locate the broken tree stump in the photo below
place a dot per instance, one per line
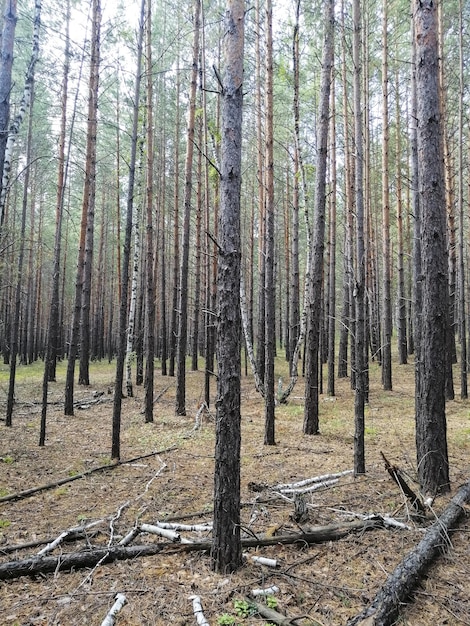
(400, 584)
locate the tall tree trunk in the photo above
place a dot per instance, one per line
(150, 289)
(386, 345)
(176, 231)
(87, 213)
(359, 278)
(197, 254)
(121, 345)
(269, 285)
(460, 200)
(294, 321)
(401, 293)
(261, 176)
(346, 311)
(332, 282)
(19, 274)
(431, 437)
(226, 551)
(89, 196)
(180, 407)
(311, 410)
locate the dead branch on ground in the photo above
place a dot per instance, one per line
(90, 558)
(19, 495)
(400, 584)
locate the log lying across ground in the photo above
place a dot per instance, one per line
(90, 558)
(402, 581)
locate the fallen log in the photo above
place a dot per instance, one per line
(401, 582)
(19, 495)
(90, 558)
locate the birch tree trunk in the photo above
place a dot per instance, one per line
(121, 345)
(6, 66)
(226, 553)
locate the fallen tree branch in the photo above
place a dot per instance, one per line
(90, 558)
(400, 584)
(19, 495)
(110, 618)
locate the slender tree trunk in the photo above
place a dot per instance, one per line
(261, 175)
(176, 233)
(332, 282)
(19, 275)
(401, 293)
(461, 259)
(197, 259)
(346, 311)
(269, 286)
(431, 437)
(359, 278)
(226, 544)
(150, 288)
(180, 408)
(89, 197)
(87, 213)
(121, 345)
(311, 411)
(294, 321)
(386, 346)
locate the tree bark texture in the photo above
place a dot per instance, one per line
(359, 278)
(226, 546)
(180, 408)
(431, 436)
(311, 417)
(123, 312)
(6, 65)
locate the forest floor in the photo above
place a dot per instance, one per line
(322, 584)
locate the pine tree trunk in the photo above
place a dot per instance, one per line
(431, 438)
(269, 285)
(89, 197)
(386, 344)
(150, 288)
(359, 278)
(311, 411)
(460, 200)
(226, 550)
(330, 390)
(180, 405)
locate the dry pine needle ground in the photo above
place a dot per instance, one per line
(324, 583)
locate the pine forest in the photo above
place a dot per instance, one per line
(234, 310)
